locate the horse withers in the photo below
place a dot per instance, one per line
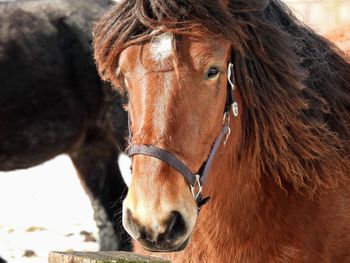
(240, 102)
(52, 101)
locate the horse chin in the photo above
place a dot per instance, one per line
(161, 249)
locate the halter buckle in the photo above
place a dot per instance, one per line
(226, 118)
(197, 188)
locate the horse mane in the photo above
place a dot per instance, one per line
(295, 85)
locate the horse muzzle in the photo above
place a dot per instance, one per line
(169, 236)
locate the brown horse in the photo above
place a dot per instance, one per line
(278, 178)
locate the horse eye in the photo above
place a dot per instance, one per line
(212, 73)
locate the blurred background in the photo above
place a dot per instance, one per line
(322, 15)
(52, 210)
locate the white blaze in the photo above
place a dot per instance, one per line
(162, 47)
(162, 104)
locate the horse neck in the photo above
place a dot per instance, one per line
(235, 194)
(235, 191)
(243, 208)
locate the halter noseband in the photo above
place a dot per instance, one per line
(195, 180)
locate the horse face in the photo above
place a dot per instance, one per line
(177, 92)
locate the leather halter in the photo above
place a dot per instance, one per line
(195, 180)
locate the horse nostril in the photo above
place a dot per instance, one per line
(133, 224)
(176, 227)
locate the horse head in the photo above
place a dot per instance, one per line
(177, 97)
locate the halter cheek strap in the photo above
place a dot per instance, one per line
(195, 180)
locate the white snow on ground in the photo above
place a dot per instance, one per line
(124, 162)
(50, 200)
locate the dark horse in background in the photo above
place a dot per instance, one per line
(52, 101)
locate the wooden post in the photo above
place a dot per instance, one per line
(101, 257)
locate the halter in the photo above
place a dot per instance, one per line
(195, 180)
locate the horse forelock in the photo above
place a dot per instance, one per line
(293, 83)
(136, 22)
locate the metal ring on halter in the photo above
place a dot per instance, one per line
(229, 75)
(234, 105)
(235, 109)
(200, 188)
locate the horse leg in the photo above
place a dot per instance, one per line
(97, 167)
